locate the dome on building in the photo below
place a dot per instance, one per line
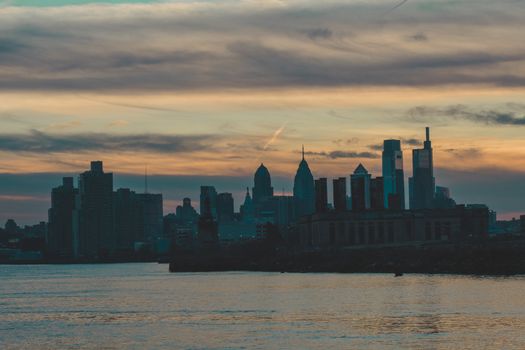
(262, 184)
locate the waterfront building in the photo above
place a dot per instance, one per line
(321, 195)
(303, 189)
(360, 188)
(339, 194)
(393, 175)
(93, 216)
(387, 227)
(59, 240)
(422, 183)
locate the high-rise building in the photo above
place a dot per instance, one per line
(303, 190)
(60, 240)
(96, 234)
(393, 175)
(225, 207)
(129, 219)
(360, 182)
(262, 188)
(185, 213)
(153, 213)
(442, 198)
(422, 183)
(208, 201)
(321, 195)
(376, 194)
(339, 187)
(247, 211)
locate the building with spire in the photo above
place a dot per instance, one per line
(304, 189)
(393, 175)
(422, 184)
(246, 209)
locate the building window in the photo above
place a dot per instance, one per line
(332, 233)
(341, 236)
(390, 231)
(351, 233)
(428, 231)
(380, 232)
(371, 233)
(361, 233)
(438, 231)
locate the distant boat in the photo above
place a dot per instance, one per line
(398, 274)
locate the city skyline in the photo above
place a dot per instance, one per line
(193, 88)
(264, 178)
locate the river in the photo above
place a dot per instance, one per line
(142, 306)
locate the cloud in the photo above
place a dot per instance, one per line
(175, 46)
(343, 154)
(462, 112)
(466, 153)
(40, 142)
(318, 33)
(274, 137)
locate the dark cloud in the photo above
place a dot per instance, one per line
(462, 112)
(318, 33)
(343, 154)
(40, 142)
(465, 153)
(418, 37)
(411, 141)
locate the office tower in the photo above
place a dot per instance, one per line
(247, 211)
(303, 190)
(208, 201)
(339, 186)
(393, 175)
(360, 188)
(96, 235)
(225, 207)
(262, 188)
(129, 219)
(208, 231)
(422, 182)
(376, 194)
(185, 213)
(442, 198)
(60, 232)
(152, 213)
(321, 195)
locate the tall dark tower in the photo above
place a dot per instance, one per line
(95, 219)
(393, 175)
(262, 188)
(339, 187)
(303, 190)
(321, 195)
(422, 184)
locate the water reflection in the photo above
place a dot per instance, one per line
(143, 306)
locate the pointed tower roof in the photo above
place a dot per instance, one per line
(360, 169)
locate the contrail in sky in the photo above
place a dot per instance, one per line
(397, 6)
(275, 136)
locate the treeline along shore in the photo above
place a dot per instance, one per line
(501, 256)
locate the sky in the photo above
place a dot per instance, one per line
(202, 92)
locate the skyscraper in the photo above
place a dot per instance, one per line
(393, 175)
(225, 207)
(153, 213)
(129, 220)
(376, 194)
(60, 232)
(340, 194)
(96, 235)
(321, 195)
(247, 211)
(303, 190)
(360, 182)
(262, 188)
(422, 183)
(208, 202)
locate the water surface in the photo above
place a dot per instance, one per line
(140, 306)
